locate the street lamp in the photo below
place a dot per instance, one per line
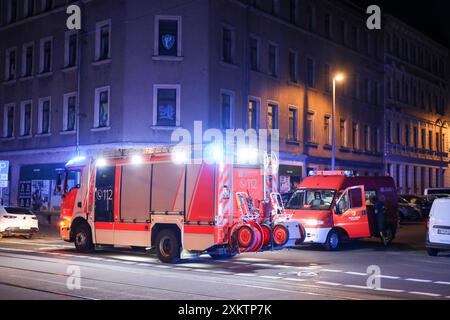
(339, 77)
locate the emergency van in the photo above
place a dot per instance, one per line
(334, 206)
(147, 200)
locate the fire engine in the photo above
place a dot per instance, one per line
(147, 200)
(335, 205)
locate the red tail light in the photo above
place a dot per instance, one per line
(428, 224)
(9, 217)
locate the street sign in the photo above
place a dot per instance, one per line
(4, 170)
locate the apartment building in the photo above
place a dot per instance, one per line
(140, 69)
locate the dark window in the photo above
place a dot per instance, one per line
(48, 4)
(327, 76)
(45, 117)
(375, 140)
(167, 107)
(13, 11)
(388, 132)
(293, 66)
(168, 37)
(416, 137)
(407, 135)
(430, 140)
(355, 196)
(28, 61)
(327, 25)
(355, 136)
(10, 122)
(252, 115)
(71, 113)
(104, 195)
(47, 59)
(293, 125)
(103, 109)
(342, 132)
(30, 8)
(326, 130)
(72, 58)
(310, 72)
(254, 54)
(311, 18)
(12, 65)
(227, 45)
(104, 43)
(293, 11)
(226, 111)
(27, 120)
(272, 60)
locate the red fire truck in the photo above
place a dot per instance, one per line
(145, 200)
(333, 206)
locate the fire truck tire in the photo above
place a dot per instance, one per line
(168, 246)
(280, 235)
(83, 238)
(333, 242)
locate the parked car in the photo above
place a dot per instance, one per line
(420, 203)
(438, 235)
(17, 221)
(407, 211)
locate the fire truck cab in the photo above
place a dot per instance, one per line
(333, 206)
(149, 201)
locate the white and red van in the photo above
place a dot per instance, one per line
(333, 206)
(147, 200)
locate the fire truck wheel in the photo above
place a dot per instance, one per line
(280, 235)
(83, 239)
(245, 236)
(333, 242)
(167, 246)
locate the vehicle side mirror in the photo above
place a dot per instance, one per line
(58, 184)
(337, 210)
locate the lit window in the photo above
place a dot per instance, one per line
(166, 109)
(253, 111)
(226, 109)
(272, 117)
(168, 36)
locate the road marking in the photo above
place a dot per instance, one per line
(49, 281)
(141, 264)
(40, 244)
(200, 270)
(425, 294)
(162, 266)
(294, 279)
(245, 274)
(96, 258)
(221, 272)
(442, 282)
(388, 277)
(330, 270)
(356, 287)
(282, 266)
(182, 268)
(389, 290)
(356, 273)
(335, 284)
(270, 277)
(418, 280)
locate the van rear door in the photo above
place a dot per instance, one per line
(351, 213)
(439, 227)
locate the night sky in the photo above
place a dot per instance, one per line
(432, 17)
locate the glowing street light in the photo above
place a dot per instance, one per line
(339, 77)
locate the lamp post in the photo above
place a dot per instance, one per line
(337, 78)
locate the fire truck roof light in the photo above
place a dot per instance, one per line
(179, 156)
(248, 155)
(345, 173)
(101, 162)
(76, 160)
(137, 159)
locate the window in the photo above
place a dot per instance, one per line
(365, 90)
(438, 142)
(293, 11)
(437, 178)
(388, 131)
(343, 31)
(430, 177)
(310, 127)
(44, 116)
(46, 55)
(327, 77)
(293, 126)
(226, 109)
(354, 37)
(327, 25)
(415, 180)
(343, 132)
(355, 86)
(273, 60)
(389, 169)
(310, 72)
(423, 138)
(10, 64)
(254, 54)
(375, 139)
(374, 93)
(416, 137)
(12, 11)
(25, 119)
(166, 108)
(28, 9)
(168, 36)
(103, 40)
(70, 49)
(8, 121)
(69, 112)
(272, 117)
(430, 140)
(407, 135)
(252, 113)
(407, 182)
(355, 136)
(227, 44)
(311, 18)
(366, 138)
(326, 129)
(398, 133)
(293, 66)
(47, 5)
(27, 60)
(102, 107)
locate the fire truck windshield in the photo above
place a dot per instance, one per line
(311, 199)
(72, 180)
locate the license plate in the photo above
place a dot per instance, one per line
(444, 231)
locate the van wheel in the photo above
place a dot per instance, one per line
(28, 236)
(167, 246)
(333, 242)
(83, 238)
(432, 252)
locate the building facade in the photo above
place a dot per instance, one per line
(140, 69)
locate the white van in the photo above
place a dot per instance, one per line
(438, 191)
(438, 236)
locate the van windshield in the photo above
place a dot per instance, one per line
(311, 199)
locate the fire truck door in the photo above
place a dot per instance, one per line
(350, 213)
(104, 205)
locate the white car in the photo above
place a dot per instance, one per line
(17, 221)
(438, 236)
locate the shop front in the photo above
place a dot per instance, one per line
(289, 176)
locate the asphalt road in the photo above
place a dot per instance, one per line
(47, 268)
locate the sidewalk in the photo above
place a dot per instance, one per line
(48, 225)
